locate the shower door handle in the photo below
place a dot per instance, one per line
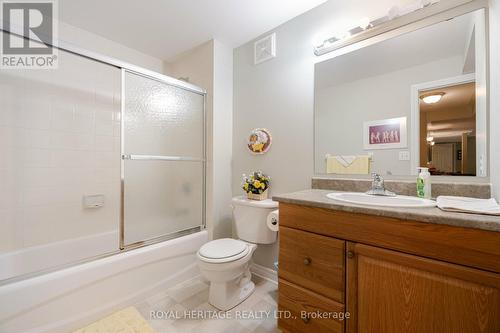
(161, 158)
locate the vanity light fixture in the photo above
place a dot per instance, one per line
(432, 98)
(338, 40)
(365, 23)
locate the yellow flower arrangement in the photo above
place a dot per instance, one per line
(257, 183)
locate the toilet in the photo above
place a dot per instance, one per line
(225, 262)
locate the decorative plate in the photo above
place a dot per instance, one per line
(259, 141)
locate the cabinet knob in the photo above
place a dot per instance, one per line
(307, 261)
(350, 254)
(306, 319)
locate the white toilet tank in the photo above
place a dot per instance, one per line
(250, 218)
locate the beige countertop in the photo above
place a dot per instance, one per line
(318, 198)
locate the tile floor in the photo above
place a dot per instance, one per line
(172, 309)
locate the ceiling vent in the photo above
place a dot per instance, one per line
(265, 49)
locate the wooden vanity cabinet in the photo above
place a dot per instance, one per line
(393, 292)
(392, 282)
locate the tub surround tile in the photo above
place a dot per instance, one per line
(61, 144)
(318, 198)
(404, 187)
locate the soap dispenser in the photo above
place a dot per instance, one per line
(424, 183)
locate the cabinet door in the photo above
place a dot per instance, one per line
(301, 305)
(392, 292)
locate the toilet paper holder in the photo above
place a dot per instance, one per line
(274, 220)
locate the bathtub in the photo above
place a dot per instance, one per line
(38, 258)
(67, 299)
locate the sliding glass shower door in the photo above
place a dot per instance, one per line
(163, 157)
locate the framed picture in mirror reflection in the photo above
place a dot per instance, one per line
(385, 134)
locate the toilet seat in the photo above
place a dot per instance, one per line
(223, 250)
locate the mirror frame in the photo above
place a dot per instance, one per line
(442, 11)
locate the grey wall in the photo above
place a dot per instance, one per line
(279, 95)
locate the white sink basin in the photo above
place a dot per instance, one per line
(373, 200)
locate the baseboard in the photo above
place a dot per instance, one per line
(264, 272)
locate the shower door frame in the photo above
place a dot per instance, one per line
(124, 157)
(124, 66)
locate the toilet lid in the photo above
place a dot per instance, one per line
(222, 248)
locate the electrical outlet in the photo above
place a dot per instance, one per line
(404, 155)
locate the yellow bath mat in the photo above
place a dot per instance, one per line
(128, 320)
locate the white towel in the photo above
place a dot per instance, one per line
(346, 160)
(468, 205)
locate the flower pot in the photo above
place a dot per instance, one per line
(253, 196)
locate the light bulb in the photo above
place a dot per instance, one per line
(364, 23)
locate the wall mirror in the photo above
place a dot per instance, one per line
(415, 100)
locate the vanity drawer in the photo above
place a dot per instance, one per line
(300, 308)
(313, 261)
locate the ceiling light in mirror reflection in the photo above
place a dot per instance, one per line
(432, 98)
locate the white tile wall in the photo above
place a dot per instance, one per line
(59, 141)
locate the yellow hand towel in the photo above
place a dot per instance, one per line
(348, 165)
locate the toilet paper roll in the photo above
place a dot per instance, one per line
(273, 220)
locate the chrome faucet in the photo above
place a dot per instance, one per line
(378, 187)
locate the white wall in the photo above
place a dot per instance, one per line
(481, 71)
(222, 136)
(494, 21)
(210, 67)
(383, 96)
(92, 42)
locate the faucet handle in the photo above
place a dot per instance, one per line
(378, 186)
